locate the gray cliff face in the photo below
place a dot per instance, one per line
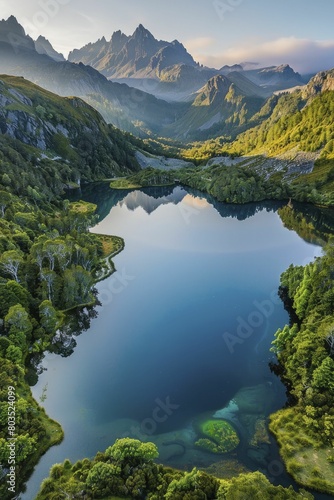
(320, 83)
(19, 122)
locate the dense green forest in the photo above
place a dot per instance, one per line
(126, 469)
(309, 127)
(305, 349)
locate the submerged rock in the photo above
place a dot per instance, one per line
(254, 399)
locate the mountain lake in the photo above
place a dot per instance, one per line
(182, 333)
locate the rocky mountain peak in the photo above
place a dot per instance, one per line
(284, 69)
(117, 41)
(218, 82)
(215, 89)
(13, 23)
(142, 32)
(13, 33)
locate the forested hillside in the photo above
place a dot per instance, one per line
(308, 129)
(305, 350)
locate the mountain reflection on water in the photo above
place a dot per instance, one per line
(151, 198)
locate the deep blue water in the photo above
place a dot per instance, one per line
(185, 325)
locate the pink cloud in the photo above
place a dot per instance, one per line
(305, 56)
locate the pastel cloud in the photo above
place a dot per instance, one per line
(303, 55)
(195, 45)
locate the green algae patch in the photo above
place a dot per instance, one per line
(220, 436)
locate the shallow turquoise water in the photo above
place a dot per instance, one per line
(184, 327)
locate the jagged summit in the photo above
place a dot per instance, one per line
(11, 19)
(12, 33)
(141, 31)
(139, 55)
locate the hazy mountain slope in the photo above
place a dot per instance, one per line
(177, 83)
(275, 77)
(43, 46)
(246, 86)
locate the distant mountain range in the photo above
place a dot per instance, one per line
(147, 86)
(135, 59)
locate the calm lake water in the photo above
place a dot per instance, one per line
(183, 330)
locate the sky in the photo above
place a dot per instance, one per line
(215, 32)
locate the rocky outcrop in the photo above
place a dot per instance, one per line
(319, 83)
